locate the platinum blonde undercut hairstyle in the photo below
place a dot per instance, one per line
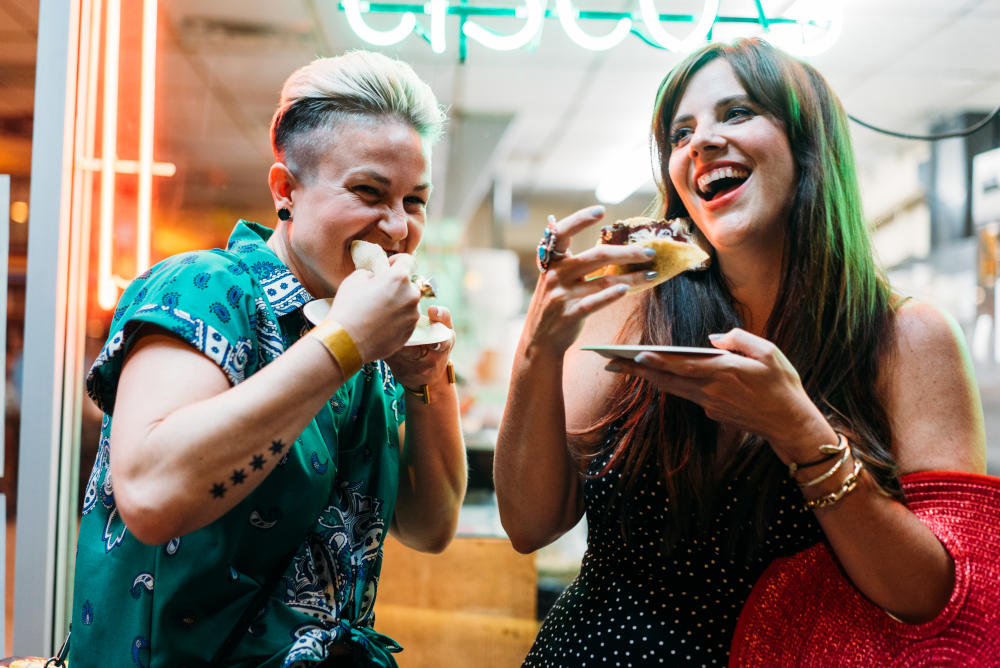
(358, 86)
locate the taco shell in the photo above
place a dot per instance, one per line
(672, 258)
(367, 255)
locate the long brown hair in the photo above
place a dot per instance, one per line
(831, 318)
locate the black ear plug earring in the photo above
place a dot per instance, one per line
(284, 213)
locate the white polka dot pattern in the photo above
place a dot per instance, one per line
(633, 605)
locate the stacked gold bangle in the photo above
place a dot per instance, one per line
(340, 346)
(828, 452)
(833, 469)
(849, 484)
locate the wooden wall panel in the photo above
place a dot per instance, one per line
(472, 605)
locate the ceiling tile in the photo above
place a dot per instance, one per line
(985, 9)
(958, 49)
(237, 12)
(899, 64)
(910, 8)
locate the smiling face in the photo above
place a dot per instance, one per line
(730, 162)
(371, 183)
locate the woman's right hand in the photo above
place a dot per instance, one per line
(564, 297)
(537, 479)
(379, 311)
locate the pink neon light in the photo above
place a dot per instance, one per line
(107, 293)
(146, 110)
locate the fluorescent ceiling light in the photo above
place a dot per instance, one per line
(628, 172)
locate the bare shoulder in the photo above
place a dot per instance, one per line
(930, 393)
(586, 385)
(920, 324)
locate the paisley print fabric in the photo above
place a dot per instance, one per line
(321, 515)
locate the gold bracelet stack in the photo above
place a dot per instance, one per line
(424, 393)
(849, 485)
(340, 346)
(833, 469)
(828, 451)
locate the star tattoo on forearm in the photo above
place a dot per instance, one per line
(239, 475)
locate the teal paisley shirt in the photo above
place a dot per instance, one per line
(328, 502)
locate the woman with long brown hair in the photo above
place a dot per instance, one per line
(696, 472)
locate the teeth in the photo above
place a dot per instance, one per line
(721, 173)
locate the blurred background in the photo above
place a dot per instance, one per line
(163, 109)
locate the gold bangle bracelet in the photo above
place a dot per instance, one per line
(829, 472)
(849, 485)
(340, 345)
(828, 451)
(424, 393)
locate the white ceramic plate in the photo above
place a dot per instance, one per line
(629, 352)
(317, 309)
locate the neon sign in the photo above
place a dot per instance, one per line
(109, 165)
(805, 28)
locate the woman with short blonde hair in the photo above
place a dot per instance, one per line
(258, 461)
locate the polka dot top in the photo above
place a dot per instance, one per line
(632, 606)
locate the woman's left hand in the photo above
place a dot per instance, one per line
(756, 389)
(414, 366)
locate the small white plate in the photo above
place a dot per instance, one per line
(630, 352)
(316, 310)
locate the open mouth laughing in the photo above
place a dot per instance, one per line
(720, 180)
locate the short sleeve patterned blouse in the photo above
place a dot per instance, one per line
(633, 606)
(328, 502)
